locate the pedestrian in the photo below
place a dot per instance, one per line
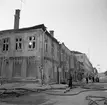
(93, 78)
(70, 82)
(87, 80)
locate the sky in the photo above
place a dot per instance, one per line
(80, 24)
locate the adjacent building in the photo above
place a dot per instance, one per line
(85, 65)
(65, 62)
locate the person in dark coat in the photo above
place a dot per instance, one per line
(87, 80)
(70, 82)
(93, 78)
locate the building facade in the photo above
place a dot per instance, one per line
(65, 62)
(85, 65)
(23, 52)
(74, 66)
(34, 53)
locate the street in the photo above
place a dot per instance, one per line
(60, 98)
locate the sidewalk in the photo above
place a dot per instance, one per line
(57, 89)
(31, 86)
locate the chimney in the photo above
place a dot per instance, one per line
(52, 32)
(16, 19)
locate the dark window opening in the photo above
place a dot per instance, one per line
(32, 42)
(16, 40)
(46, 46)
(4, 41)
(30, 46)
(7, 47)
(30, 38)
(20, 39)
(16, 46)
(4, 47)
(5, 44)
(18, 43)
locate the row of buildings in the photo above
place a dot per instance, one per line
(34, 53)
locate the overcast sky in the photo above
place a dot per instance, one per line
(80, 24)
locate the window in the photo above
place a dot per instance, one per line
(57, 51)
(62, 55)
(32, 42)
(52, 49)
(18, 43)
(5, 44)
(46, 45)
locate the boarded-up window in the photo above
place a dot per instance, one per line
(5, 68)
(31, 67)
(17, 65)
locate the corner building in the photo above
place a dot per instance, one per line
(23, 52)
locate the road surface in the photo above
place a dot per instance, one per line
(46, 99)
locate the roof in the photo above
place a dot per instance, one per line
(76, 52)
(24, 29)
(66, 47)
(29, 28)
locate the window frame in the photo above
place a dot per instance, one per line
(5, 44)
(18, 42)
(32, 41)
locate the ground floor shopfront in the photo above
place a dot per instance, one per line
(23, 68)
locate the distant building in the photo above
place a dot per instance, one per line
(84, 63)
(74, 67)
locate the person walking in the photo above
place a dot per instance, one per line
(87, 80)
(93, 78)
(70, 82)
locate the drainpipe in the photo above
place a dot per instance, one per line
(42, 58)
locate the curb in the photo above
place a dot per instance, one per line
(72, 94)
